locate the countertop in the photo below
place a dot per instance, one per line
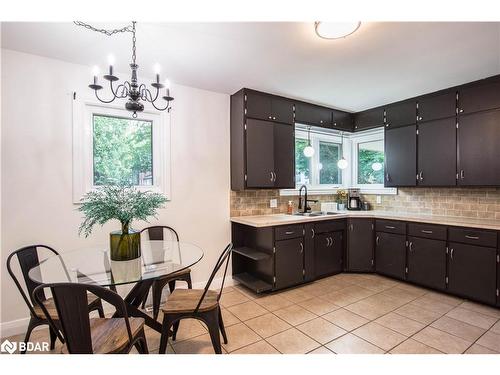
(259, 221)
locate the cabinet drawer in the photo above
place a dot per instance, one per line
(288, 231)
(473, 236)
(436, 232)
(390, 226)
(329, 226)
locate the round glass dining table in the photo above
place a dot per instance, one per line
(93, 265)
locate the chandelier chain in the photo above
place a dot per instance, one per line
(128, 28)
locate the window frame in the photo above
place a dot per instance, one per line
(350, 152)
(83, 146)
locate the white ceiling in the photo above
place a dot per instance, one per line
(380, 63)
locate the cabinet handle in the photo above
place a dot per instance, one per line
(312, 233)
(301, 248)
(289, 233)
(421, 176)
(376, 240)
(270, 117)
(274, 118)
(462, 174)
(460, 111)
(327, 241)
(420, 118)
(426, 231)
(351, 227)
(274, 174)
(471, 237)
(387, 177)
(271, 174)
(320, 121)
(390, 227)
(331, 241)
(411, 247)
(451, 254)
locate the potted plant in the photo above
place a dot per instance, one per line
(125, 204)
(341, 199)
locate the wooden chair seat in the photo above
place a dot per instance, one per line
(185, 300)
(109, 335)
(51, 307)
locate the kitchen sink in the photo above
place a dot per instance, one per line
(315, 213)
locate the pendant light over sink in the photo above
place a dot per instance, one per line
(335, 30)
(308, 150)
(342, 163)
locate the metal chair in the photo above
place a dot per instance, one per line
(201, 304)
(160, 233)
(28, 258)
(84, 335)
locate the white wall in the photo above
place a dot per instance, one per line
(36, 167)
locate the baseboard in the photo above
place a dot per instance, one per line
(19, 326)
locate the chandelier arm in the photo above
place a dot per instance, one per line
(115, 91)
(156, 96)
(102, 100)
(161, 109)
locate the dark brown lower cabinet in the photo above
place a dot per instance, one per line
(328, 249)
(427, 262)
(390, 254)
(289, 262)
(360, 240)
(472, 272)
(498, 277)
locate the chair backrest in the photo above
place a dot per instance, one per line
(28, 258)
(71, 304)
(223, 258)
(161, 233)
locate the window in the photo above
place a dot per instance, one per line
(122, 150)
(371, 162)
(364, 152)
(110, 146)
(321, 169)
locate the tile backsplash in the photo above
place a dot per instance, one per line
(453, 202)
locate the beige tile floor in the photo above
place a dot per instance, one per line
(346, 313)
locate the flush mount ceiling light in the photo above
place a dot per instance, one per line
(136, 93)
(335, 30)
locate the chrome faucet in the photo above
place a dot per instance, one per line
(306, 201)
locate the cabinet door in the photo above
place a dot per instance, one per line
(369, 119)
(400, 156)
(312, 114)
(437, 106)
(427, 262)
(289, 262)
(401, 114)
(258, 105)
(284, 156)
(437, 153)
(360, 240)
(328, 253)
(390, 254)
(498, 278)
(341, 120)
(472, 272)
(479, 97)
(260, 154)
(282, 110)
(478, 152)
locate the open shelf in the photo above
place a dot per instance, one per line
(252, 282)
(251, 253)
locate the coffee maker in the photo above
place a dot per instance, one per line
(353, 200)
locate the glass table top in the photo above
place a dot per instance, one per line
(93, 265)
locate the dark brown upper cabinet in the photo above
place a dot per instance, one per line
(269, 155)
(268, 107)
(437, 153)
(435, 107)
(479, 96)
(311, 114)
(342, 120)
(478, 140)
(369, 119)
(401, 114)
(400, 156)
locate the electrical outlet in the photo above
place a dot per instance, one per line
(379, 199)
(273, 203)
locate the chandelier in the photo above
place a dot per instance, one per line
(136, 93)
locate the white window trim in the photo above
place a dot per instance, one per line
(350, 152)
(83, 110)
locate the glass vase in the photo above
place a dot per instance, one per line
(125, 246)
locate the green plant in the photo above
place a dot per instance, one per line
(122, 202)
(341, 195)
